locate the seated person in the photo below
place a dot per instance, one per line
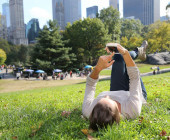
(127, 92)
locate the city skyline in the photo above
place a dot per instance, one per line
(42, 9)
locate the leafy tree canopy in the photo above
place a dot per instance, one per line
(131, 28)
(2, 57)
(4, 45)
(87, 38)
(159, 37)
(132, 43)
(50, 52)
(111, 19)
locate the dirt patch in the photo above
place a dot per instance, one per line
(20, 85)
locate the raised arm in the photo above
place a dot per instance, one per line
(134, 103)
(127, 58)
(103, 62)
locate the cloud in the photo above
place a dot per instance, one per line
(42, 15)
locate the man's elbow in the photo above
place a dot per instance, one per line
(85, 113)
(136, 112)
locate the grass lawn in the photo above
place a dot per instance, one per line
(37, 114)
(143, 68)
(20, 85)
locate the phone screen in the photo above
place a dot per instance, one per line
(113, 49)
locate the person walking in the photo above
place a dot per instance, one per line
(71, 74)
(158, 69)
(6, 70)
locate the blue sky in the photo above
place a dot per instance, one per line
(42, 9)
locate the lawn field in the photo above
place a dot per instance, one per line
(38, 113)
(21, 85)
(143, 68)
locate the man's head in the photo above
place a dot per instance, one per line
(104, 113)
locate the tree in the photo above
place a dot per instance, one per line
(131, 28)
(2, 56)
(50, 52)
(111, 19)
(167, 12)
(12, 56)
(159, 37)
(124, 42)
(145, 31)
(87, 38)
(23, 54)
(132, 43)
(4, 45)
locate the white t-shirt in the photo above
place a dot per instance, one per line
(131, 101)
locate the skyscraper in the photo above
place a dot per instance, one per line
(148, 11)
(3, 27)
(114, 3)
(58, 12)
(92, 11)
(32, 30)
(6, 13)
(65, 11)
(17, 35)
(117, 4)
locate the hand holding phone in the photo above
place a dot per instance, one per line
(112, 47)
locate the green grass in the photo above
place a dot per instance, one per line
(36, 114)
(143, 68)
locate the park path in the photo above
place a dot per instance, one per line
(151, 73)
(9, 75)
(144, 74)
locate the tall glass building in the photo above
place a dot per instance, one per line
(65, 11)
(32, 30)
(117, 4)
(92, 11)
(58, 12)
(17, 33)
(148, 11)
(6, 13)
(3, 27)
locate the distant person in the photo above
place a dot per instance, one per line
(18, 75)
(58, 75)
(28, 75)
(6, 70)
(61, 76)
(71, 74)
(53, 76)
(158, 68)
(154, 72)
(3, 75)
(66, 73)
(45, 76)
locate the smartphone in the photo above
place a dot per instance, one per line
(112, 47)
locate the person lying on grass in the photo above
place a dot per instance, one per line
(126, 94)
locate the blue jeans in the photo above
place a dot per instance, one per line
(119, 76)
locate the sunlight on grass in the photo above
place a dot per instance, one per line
(37, 113)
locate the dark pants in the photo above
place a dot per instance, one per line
(119, 76)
